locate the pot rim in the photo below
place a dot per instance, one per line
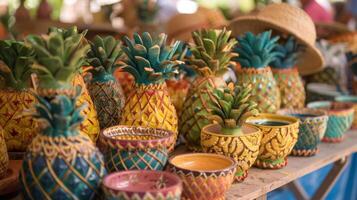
(290, 120)
(160, 140)
(257, 131)
(348, 107)
(174, 177)
(233, 165)
(317, 113)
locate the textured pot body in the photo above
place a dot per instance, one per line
(150, 106)
(352, 100)
(292, 91)
(61, 168)
(196, 109)
(19, 129)
(243, 148)
(203, 184)
(277, 140)
(178, 90)
(109, 100)
(311, 130)
(142, 185)
(90, 125)
(340, 118)
(136, 148)
(265, 91)
(4, 158)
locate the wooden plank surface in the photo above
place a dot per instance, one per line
(260, 182)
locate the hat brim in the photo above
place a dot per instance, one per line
(309, 62)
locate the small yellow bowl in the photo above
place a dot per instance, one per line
(243, 148)
(280, 133)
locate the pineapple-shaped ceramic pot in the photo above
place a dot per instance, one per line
(287, 77)
(59, 58)
(19, 129)
(4, 158)
(149, 61)
(229, 136)
(104, 89)
(255, 54)
(60, 163)
(211, 54)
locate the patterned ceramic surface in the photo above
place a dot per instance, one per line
(280, 133)
(135, 148)
(353, 100)
(243, 148)
(142, 185)
(205, 176)
(340, 118)
(312, 128)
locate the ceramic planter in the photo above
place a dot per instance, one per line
(265, 90)
(135, 148)
(352, 100)
(340, 118)
(243, 148)
(204, 176)
(312, 128)
(4, 158)
(292, 91)
(142, 185)
(280, 133)
(178, 90)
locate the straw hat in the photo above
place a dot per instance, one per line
(180, 26)
(285, 19)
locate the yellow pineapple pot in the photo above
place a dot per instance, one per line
(15, 98)
(292, 91)
(255, 54)
(53, 72)
(211, 55)
(231, 137)
(4, 158)
(149, 60)
(280, 133)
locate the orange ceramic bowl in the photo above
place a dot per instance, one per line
(204, 175)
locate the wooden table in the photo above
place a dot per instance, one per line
(259, 182)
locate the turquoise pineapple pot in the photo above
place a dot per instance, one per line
(135, 148)
(60, 163)
(340, 118)
(313, 124)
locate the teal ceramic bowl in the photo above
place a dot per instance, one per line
(313, 124)
(340, 117)
(352, 100)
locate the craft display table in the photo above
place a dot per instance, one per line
(259, 182)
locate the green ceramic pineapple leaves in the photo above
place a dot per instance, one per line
(211, 51)
(230, 106)
(60, 116)
(149, 59)
(59, 56)
(103, 57)
(289, 53)
(17, 59)
(256, 51)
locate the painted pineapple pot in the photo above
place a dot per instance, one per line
(4, 158)
(136, 148)
(255, 54)
(211, 54)
(149, 61)
(280, 134)
(57, 73)
(230, 137)
(287, 77)
(56, 165)
(15, 69)
(105, 91)
(313, 124)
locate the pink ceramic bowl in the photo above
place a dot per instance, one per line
(142, 185)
